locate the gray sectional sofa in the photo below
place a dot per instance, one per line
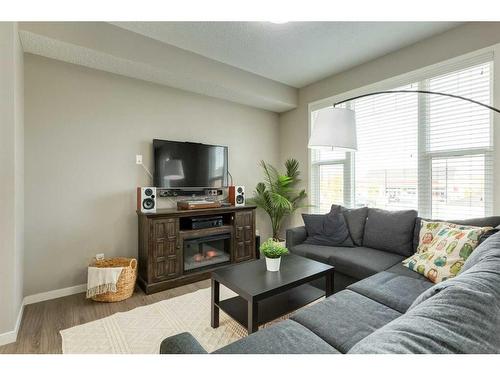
(382, 240)
(379, 305)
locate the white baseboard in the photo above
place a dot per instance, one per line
(10, 337)
(52, 294)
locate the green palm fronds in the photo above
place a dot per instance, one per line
(278, 195)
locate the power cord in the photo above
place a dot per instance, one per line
(147, 171)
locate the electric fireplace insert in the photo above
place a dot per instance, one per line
(206, 251)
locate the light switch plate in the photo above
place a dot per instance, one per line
(138, 159)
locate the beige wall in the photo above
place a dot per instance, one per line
(83, 130)
(11, 177)
(453, 43)
(106, 47)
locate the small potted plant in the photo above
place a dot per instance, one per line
(273, 251)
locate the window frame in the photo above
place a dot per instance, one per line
(347, 169)
(425, 158)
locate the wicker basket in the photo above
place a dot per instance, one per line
(126, 282)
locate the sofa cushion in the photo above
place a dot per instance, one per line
(358, 262)
(315, 252)
(287, 337)
(444, 247)
(489, 221)
(345, 318)
(356, 219)
(390, 230)
(395, 291)
(327, 230)
(361, 262)
(401, 270)
(463, 317)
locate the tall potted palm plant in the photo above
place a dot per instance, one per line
(278, 195)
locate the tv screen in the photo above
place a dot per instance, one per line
(189, 165)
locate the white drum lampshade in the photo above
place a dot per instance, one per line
(334, 128)
(174, 169)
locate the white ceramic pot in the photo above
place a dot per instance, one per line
(273, 264)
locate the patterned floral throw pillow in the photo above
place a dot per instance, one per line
(443, 249)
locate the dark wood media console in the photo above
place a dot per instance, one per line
(172, 254)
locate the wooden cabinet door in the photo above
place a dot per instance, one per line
(244, 236)
(166, 255)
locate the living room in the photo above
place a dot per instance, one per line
(210, 184)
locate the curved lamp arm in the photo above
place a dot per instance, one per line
(419, 92)
(343, 132)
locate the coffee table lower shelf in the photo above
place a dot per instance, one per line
(273, 307)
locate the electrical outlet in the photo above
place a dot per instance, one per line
(138, 159)
(99, 256)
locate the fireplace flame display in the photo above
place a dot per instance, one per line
(205, 256)
(206, 251)
(198, 257)
(211, 253)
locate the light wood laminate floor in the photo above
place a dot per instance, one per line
(41, 322)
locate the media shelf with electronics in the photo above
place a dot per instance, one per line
(182, 245)
(170, 193)
(178, 247)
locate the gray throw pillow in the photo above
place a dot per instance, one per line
(356, 219)
(390, 231)
(327, 230)
(313, 224)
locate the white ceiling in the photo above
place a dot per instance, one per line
(295, 53)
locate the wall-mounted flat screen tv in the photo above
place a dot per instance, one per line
(185, 165)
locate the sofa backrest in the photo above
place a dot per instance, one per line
(386, 226)
(459, 315)
(390, 231)
(489, 221)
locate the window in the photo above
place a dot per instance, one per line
(426, 152)
(386, 166)
(332, 178)
(331, 170)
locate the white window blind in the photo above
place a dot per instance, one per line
(332, 178)
(386, 165)
(458, 145)
(425, 152)
(329, 169)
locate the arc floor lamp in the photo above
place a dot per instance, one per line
(336, 127)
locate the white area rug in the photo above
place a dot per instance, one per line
(141, 330)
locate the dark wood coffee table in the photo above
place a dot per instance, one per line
(264, 296)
